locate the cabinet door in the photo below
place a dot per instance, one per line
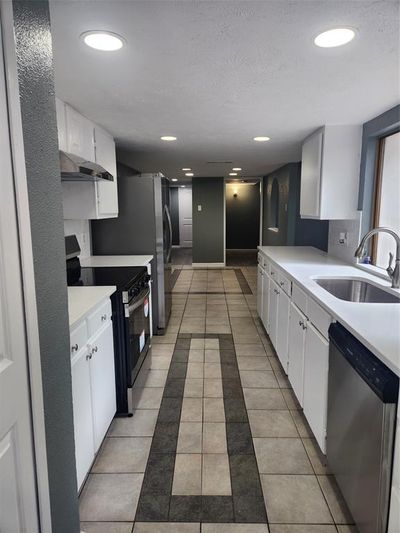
(61, 125)
(107, 193)
(82, 409)
(315, 398)
(273, 312)
(102, 377)
(260, 280)
(297, 333)
(282, 339)
(80, 134)
(311, 160)
(265, 304)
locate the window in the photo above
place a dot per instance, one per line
(387, 198)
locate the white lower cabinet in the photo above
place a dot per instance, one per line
(297, 336)
(102, 383)
(315, 397)
(265, 298)
(260, 287)
(82, 410)
(282, 335)
(273, 311)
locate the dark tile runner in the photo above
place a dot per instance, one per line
(156, 502)
(242, 281)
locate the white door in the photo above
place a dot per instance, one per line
(297, 333)
(83, 420)
(265, 302)
(315, 397)
(185, 217)
(282, 336)
(273, 312)
(107, 193)
(102, 377)
(18, 499)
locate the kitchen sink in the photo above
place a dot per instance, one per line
(355, 290)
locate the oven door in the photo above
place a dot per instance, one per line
(137, 315)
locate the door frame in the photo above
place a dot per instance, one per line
(180, 193)
(260, 231)
(27, 266)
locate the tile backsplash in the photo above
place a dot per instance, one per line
(352, 228)
(80, 228)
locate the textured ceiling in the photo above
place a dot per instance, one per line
(218, 73)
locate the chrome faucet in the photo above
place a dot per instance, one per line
(394, 273)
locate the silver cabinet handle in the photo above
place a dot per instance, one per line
(301, 323)
(304, 326)
(94, 350)
(103, 318)
(281, 283)
(74, 348)
(89, 356)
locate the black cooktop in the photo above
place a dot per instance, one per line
(123, 277)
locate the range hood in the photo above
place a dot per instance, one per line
(75, 168)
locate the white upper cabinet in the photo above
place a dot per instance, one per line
(330, 169)
(80, 134)
(107, 193)
(61, 125)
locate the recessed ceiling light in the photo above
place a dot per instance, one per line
(174, 179)
(168, 138)
(183, 186)
(189, 174)
(233, 173)
(186, 169)
(261, 139)
(334, 37)
(237, 168)
(105, 41)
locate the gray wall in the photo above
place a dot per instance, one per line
(242, 216)
(293, 230)
(208, 224)
(35, 76)
(174, 194)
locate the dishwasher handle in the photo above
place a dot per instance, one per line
(376, 374)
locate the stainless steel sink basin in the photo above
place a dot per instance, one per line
(355, 290)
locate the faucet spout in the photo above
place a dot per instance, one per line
(394, 273)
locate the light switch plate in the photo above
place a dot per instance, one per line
(343, 238)
(199, 207)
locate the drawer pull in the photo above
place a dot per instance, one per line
(94, 350)
(75, 348)
(103, 318)
(89, 356)
(301, 323)
(281, 283)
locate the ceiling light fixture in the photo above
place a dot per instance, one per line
(168, 138)
(233, 173)
(261, 139)
(189, 174)
(106, 41)
(237, 169)
(174, 179)
(334, 37)
(183, 186)
(186, 169)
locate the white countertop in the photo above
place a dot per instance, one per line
(81, 300)
(377, 326)
(116, 260)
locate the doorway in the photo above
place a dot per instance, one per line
(243, 209)
(182, 225)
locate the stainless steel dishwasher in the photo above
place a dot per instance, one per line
(362, 403)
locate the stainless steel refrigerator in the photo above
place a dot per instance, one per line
(143, 226)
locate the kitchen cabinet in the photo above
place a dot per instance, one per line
(80, 134)
(273, 312)
(102, 382)
(282, 334)
(82, 412)
(93, 384)
(297, 335)
(265, 300)
(107, 192)
(61, 125)
(330, 173)
(260, 284)
(315, 398)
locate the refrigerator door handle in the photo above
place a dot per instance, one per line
(170, 232)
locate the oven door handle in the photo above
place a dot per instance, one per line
(137, 302)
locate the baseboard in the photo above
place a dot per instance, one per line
(208, 265)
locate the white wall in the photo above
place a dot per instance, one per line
(80, 228)
(352, 228)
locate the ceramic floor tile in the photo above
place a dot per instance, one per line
(213, 388)
(196, 356)
(294, 499)
(193, 388)
(106, 527)
(190, 437)
(234, 528)
(215, 475)
(195, 370)
(301, 528)
(281, 456)
(212, 356)
(212, 370)
(122, 455)
(160, 362)
(318, 460)
(301, 424)
(141, 424)
(192, 410)
(211, 344)
(151, 378)
(146, 398)
(264, 399)
(213, 410)
(214, 437)
(336, 503)
(110, 497)
(171, 527)
(253, 363)
(187, 475)
(260, 379)
(272, 423)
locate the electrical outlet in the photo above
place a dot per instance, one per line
(343, 238)
(199, 207)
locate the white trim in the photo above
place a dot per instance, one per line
(208, 265)
(28, 279)
(224, 222)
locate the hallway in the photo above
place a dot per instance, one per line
(217, 436)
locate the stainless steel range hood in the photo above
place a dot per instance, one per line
(75, 168)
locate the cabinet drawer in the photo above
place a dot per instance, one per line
(274, 273)
(285, 283)
(299, 297)
(319, 317)
(78, 338)
(99, 317)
